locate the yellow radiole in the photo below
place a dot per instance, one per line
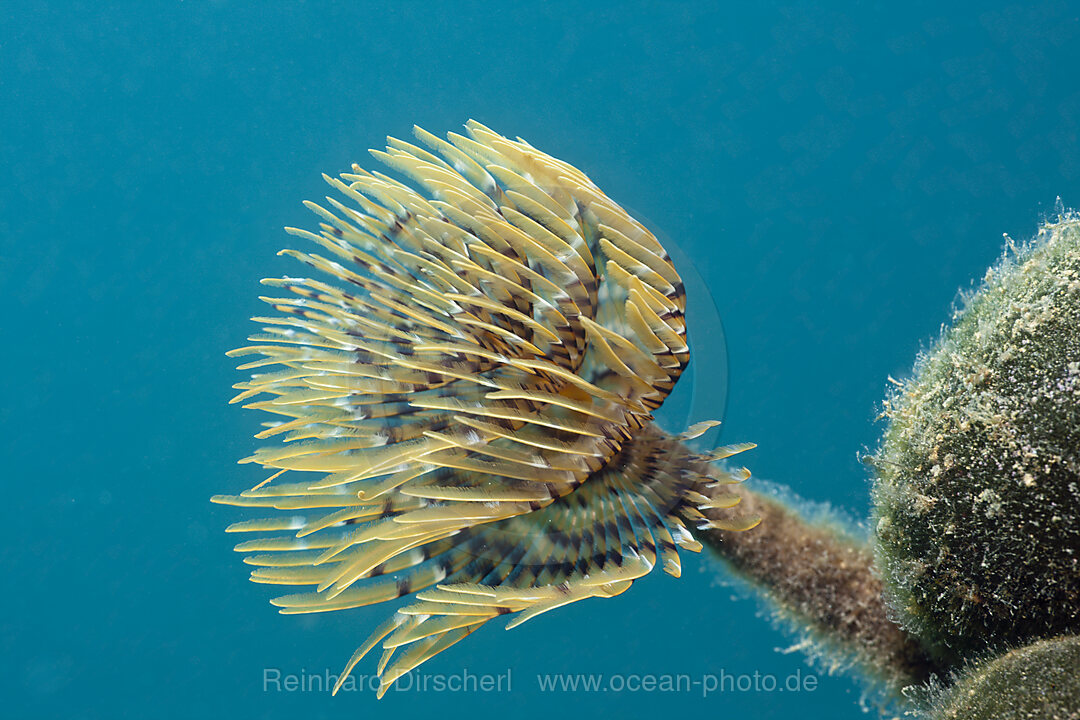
(465, 403)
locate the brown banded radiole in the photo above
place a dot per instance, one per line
(463, 401)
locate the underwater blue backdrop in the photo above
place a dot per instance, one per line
(834, 172)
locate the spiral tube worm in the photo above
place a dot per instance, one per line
(466, 403)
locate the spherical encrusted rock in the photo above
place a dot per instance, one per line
(978, 486)
(1038, 682)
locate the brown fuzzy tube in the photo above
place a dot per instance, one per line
(824, 579)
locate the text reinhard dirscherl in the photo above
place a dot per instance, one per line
(274, 680)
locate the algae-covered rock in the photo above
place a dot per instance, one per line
(1038, 682)
(978, 489)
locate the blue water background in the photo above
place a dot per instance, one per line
(836, 172)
